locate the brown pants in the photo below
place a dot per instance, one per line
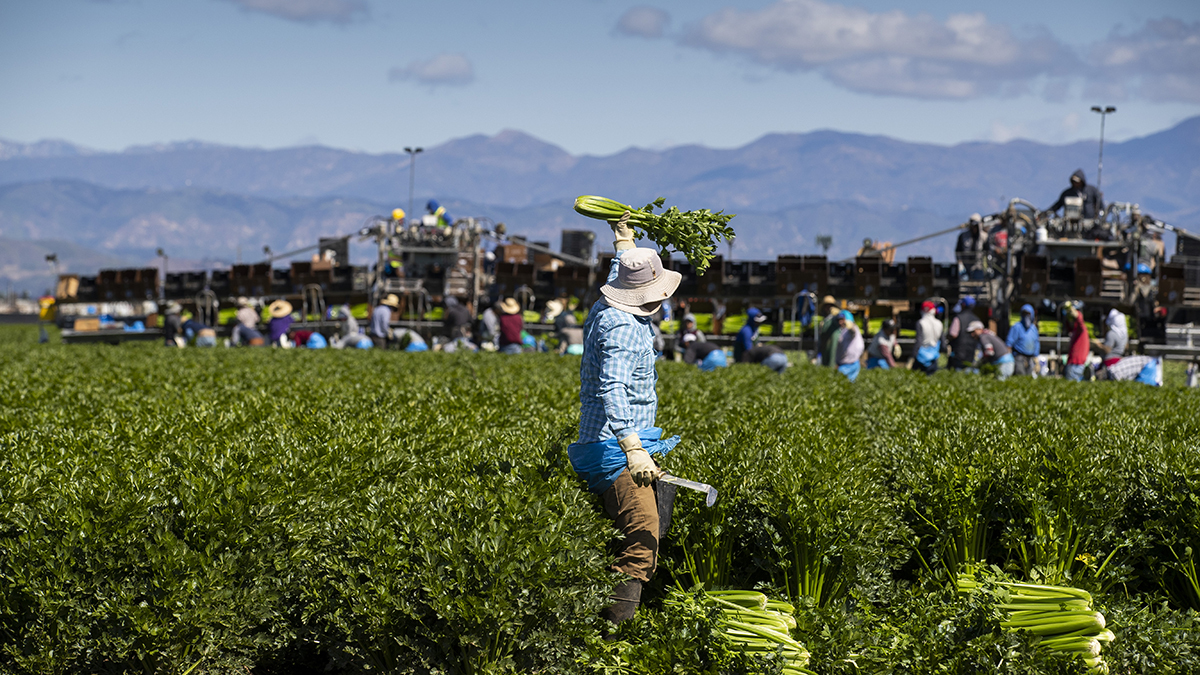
(634, 511)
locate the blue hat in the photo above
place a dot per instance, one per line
(1143, 268)
(1027, 309)
(316, 341)
(847, 315)
(968, 302)
(755, 315)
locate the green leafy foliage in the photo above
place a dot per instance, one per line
(693, 233)
(348, 511)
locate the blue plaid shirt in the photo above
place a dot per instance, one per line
(617, 376)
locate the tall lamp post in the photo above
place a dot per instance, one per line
(162, 290)
(1104, 112)
(412, 176)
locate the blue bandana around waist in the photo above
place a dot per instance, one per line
(600, 463)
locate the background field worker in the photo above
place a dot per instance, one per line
(688, 332)
(748, 334)
(880, 352)
(850, 346)
(1080, 348)
(246, 328)
(1116, 337)
(281, 321)
(618, 405)
(928, 344)
(173, 335)
(512, 324)
(993, 350)
(381, 320)
(962, 343)
(1144, 369)
(1025, 343)
(768, 355)
(570, 336)
(829, 332)
(707, 355)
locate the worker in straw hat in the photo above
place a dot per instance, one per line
(381, 320)
(512, 324)
(618, 405)
(281, 321)
(829, 332)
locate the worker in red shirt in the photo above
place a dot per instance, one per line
(1080, 347)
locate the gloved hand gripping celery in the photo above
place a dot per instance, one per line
(692, 233)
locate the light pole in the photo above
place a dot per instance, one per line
(412, 176)
(162, 294)
(1104, 112)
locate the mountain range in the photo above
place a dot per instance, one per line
(213, 204)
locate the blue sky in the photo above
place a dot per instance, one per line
(592, 76)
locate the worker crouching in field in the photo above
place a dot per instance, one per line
(994, 350)
(511, 325)
(768, 355)
(618, 404)
(849, 346)
(881, 352)
(706, 355)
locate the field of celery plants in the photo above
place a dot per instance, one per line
(267, 511)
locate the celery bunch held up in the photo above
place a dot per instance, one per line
(692, 233)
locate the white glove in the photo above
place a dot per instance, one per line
(623, 233)
(642, 469)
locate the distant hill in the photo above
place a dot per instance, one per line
(213, 201)
(778, 171)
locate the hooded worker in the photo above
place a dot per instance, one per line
(1025, 343)
(748, 334)
(618, 405)
(1079, 188)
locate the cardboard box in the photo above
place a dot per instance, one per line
(87, 324)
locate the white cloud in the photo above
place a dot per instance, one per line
(892, 53)
(447, 69)
(642, 21)
(307, 11)
(1160, 62)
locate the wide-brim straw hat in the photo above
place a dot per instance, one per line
(391, 301)
(510, 306)
(641, 284)
(553, 308)
(279, 309)
(828, 300)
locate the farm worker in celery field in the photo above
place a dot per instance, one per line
(994, 350)
(748, 334)
(879, 354)
(850, 346)
(705, 355)
(618, 405)
(1025, 343)
(929, 339)
(829, 332)
(1080, 348)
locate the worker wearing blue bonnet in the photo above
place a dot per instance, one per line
(748, 334)
(618, 404)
